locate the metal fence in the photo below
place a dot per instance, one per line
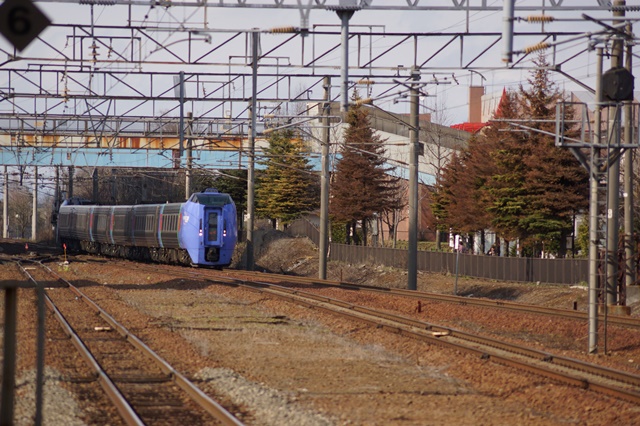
(522, 269)
(304, 228)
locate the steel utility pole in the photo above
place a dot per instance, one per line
(324, 184)
(70, 183)
(344, 13)
(5, 205)
(255, 39)
(630, 253)
(593, 210)
(613, 183)
(412, 261)
(56, 203)
(34, 209)
(181, 122)
(189, 158)
(94, 181)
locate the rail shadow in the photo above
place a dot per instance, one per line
(175, 284)
(500, 293)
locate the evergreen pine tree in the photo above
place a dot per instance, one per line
(443, 197)
(482, 187)
(504, 190)
(287, 188)
(556, 184)
(470, 214)
(361, 185)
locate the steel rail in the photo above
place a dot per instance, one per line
(202, 399)
(127, 412)
(415, 328)
(438, 335)
(617, 320)
(532, 353)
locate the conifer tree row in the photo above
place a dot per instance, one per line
(513, 180)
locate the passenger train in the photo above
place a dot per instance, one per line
(200, 232)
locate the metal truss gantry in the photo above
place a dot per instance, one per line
(119, 61)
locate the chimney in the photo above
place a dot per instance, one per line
(475, 104)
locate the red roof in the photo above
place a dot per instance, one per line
(469, 127)
(475, 127)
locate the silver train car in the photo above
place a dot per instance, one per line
(201, 231)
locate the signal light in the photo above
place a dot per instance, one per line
(617, 84)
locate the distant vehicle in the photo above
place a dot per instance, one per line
(199, 232)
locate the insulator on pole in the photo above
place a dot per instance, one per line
(536, 47)
(365, 101)
(539, 18)
(366, 81)
(623, 8)
(282, 30)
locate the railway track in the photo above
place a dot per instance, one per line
(143, 392)
(617, 320)
(570, 371)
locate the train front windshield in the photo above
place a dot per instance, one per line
(211, 200)
(213, 226)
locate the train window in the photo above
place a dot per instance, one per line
(211, 200)
(169, 222)
(83, 220)
(118, 222)
(213, 226)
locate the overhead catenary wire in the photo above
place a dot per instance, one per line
(173, 17)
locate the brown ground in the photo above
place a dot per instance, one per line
(298, 256)
(282, 364)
